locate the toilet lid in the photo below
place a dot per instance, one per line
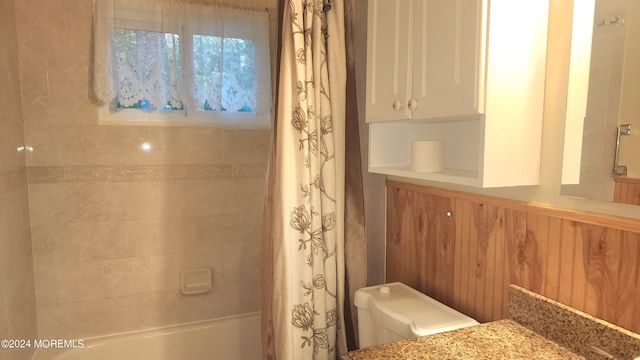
(411, 313)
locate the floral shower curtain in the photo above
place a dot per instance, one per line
(304, 283)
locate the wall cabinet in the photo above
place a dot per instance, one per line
(466, 72)
(423, 59)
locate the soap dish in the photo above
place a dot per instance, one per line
(195, 281)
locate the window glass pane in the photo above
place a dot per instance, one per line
(148, 68)
(224, 74)
(238, 75)
(207, 68)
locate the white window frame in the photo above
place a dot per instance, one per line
(137, 16)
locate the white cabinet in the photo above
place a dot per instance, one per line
(422, 59)
(388, 60)
(470, 73)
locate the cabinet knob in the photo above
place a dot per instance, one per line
(412, 104)
(397, 105)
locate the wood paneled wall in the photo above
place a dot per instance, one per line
(464, 250)
(626, 190)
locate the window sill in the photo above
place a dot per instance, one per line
(179, 118)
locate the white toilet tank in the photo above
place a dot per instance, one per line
(394, 311)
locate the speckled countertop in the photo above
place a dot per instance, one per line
(503, 339)
(539, 328)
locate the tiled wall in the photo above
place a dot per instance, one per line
(17, 300)
(113, 225)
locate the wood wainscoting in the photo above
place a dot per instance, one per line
(626, 190)
(465, 249)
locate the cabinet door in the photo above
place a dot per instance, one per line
(447, 46)
(388, 60)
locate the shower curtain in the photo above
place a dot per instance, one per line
(307, 287)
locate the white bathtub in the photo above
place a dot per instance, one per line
(231, 338)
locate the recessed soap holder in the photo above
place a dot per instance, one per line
(195, 281)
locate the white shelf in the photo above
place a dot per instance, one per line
(453, 176)
(390, 149)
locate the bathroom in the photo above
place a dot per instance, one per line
(70, 242)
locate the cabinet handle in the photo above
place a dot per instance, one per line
(413, 104)
(397, 105)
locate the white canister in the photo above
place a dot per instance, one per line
(427, 156)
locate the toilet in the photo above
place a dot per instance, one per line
(394, 311)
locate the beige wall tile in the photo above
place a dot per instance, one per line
(57, 284)
(87, 173)
(16, 354)
(17, 264)
(17, 299)
(62, 244)
(45, 174)
(14, 218)
(194, 172)
(192, 198)
(70, 99)
(214, 232)
(193, 145)
(4, 313)
(32, 20)
(134, 173)
(11, 136)
(246, 146)
(70, 27)
(123, 145)
(77, 320)
(11, 139)
(105, 316)
(165, 308)
(174, 236)
(241, 297)
(61, 144)
(135, 200)
(242, 171)
(80, 242)
(240, 262)
(20, 306)
(47, 149)
(11, 133)
(35, 90)
(57, 321)
(244, 198)
(60, 203)
(138, 275)
(171, 307)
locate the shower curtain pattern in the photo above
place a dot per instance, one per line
(306, 270)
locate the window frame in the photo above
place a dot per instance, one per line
(198, 20)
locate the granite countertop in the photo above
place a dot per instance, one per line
(502, 339)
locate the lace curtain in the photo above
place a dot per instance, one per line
(175, 55)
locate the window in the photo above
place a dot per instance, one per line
(167, 63)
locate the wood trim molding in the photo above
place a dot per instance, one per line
(610, 221)
(628, 180)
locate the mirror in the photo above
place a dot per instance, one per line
(601, 158)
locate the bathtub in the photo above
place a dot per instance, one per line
(231, 338)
